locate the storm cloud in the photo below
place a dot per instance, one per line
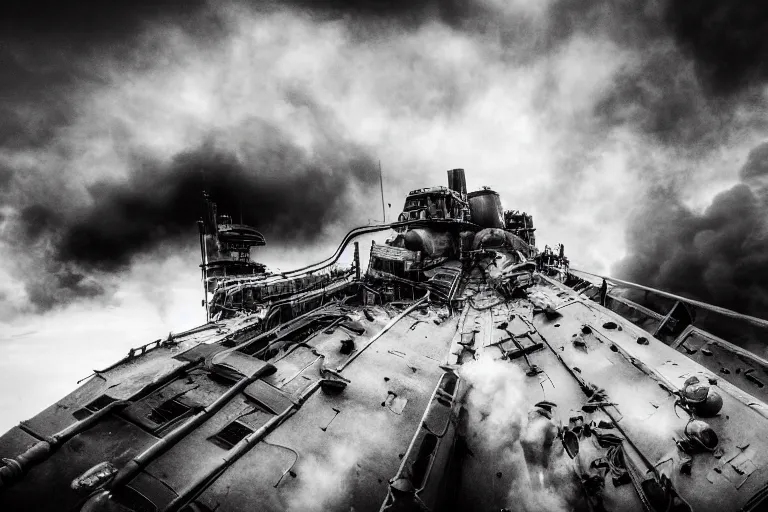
(79, 203)
(718, 255)
(291, 195)
(115, 116)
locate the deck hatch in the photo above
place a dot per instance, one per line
(99, 403)
(167, 412)
(232, 434)
(93, 406)
(268, 397)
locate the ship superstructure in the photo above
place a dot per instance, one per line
(462, 370)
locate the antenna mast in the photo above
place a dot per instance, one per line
(381, 182)
(202, 224)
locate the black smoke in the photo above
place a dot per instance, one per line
(89, 20)
(707, 89)
(69, 233)
(291, 194)
(718, 256)
(286, 193)
(698, 66)
(725, 39)
(51, 53)
(697, 76)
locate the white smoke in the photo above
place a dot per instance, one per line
(522, 448)
(327, 480)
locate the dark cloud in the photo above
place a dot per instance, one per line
(37, 220)
(658, 98)
(89, 21)
(73, 239)
(52, 52)
(405, 13)
(726, 40)
(6, 177)
(55, 284)
(689, 86)
(757, 163)
(289, 194)
(292, 194)
(719, 256)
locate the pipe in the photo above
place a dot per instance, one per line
(194, 488)
(353, 233)
(15, 468)
(132, 468)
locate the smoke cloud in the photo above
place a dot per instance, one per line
(97, 171)
(527, 457)
(274, 184)
(326, 480)
(725, 40)
(292, 194)
(114, 116)
(718, 255)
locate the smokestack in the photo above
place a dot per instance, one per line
(457, 182)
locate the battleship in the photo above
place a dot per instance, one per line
(461, 369)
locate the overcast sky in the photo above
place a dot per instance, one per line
(113, 117)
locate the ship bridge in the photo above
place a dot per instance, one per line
(434, 203)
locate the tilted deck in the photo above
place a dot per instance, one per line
(323, 412)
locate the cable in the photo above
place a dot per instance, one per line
(264, 441)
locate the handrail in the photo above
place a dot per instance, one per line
(276, 279)
(317, 285)
(710, 307)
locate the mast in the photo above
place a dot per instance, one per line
(203, 225)
(381, 182)
(204, 255)
(357, 261)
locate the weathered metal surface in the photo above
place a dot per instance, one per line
(392, 253)
(471, 389)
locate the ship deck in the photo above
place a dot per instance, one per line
(325, 411)
(585, 347)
